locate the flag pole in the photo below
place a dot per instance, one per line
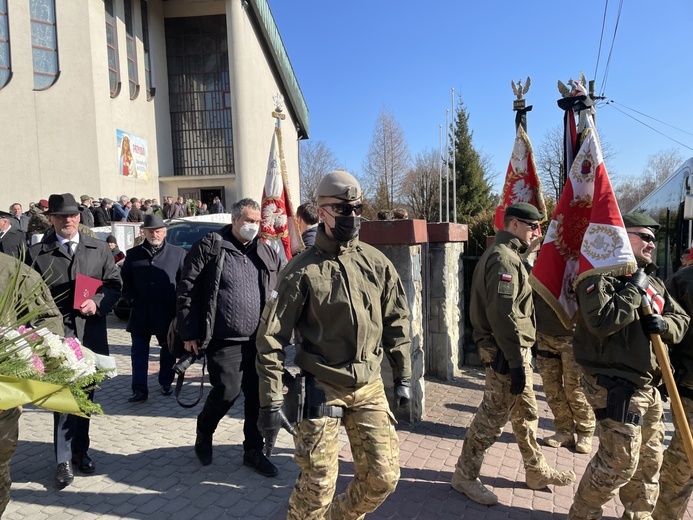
(447, 170)
(454, 169)
(670, 383)
(440, 173)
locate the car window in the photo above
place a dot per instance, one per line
(185, 235)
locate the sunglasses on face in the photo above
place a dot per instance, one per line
(532, 225)
(344, 208)
(645, 237)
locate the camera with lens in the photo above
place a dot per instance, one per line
(186, 361)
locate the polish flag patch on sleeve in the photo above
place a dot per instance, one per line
(590, 289)
(506, 277)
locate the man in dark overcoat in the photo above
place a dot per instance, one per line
(150, 272)
(62, 254)
(12, 239)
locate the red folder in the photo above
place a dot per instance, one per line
(85, 288)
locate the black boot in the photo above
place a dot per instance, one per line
(203, 448)
(257, 460)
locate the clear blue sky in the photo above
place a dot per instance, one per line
(354, 58)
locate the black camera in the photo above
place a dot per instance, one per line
(185, 362)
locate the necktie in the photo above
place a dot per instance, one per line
(70, 249)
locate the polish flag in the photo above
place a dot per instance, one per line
(277, 227)
(586, 235)
(521, 180)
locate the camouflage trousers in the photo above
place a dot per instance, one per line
(628, 458)
(499, 405)
(564, 394)
(9, 433)
(369, 425)
(676, 478)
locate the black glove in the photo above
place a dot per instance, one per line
(654, 324)
(402, 393)
(270, 420)
(518, 380)
(639, 279)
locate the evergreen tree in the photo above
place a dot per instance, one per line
(473, 188)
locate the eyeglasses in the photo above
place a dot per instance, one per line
(344, 208)
(645, 237)
(533, 225)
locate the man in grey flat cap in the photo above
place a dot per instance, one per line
(346, 301)
(502, 314)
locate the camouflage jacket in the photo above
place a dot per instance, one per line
(348, 304)
(609, 339)
(501, 306)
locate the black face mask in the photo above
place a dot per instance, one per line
(346, 228)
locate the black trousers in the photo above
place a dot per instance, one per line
(70, 435)
(231, 367)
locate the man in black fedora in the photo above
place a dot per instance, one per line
(62, 254)
(150, 272)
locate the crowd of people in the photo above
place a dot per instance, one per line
(233, 301)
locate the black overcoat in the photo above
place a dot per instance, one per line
(149, 285)
(92, 258)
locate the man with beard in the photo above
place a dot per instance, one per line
(63, 253)
(621, 375)
(149, 273)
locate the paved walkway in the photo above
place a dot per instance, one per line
(146, 467)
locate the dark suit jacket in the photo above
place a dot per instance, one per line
(101, 216)
(92, 258)
(13, 243)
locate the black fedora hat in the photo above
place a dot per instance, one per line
(153, 221)
(62, 204)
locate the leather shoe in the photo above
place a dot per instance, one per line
(84, 463)
(257, 460)
(203, 448)
(137, 397)
(166, 390)
(64, 475)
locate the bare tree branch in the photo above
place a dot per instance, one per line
(315, 160)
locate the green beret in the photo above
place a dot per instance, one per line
(339, 184)
(523, 210)
(640, 220)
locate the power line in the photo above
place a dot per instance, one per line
(650, 117)
(601, 38)
(650, 127)
(611, 50)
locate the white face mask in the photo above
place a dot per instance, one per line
(249, 231)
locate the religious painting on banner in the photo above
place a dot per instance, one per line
(277, 225)
(522, 183)
(586, 235)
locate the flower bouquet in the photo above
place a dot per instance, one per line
(38, 366)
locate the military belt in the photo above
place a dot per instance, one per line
(631, 418)
(547, 354)
(323, 410)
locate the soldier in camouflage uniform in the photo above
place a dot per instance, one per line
(676, 477)
(348, 304)
(50, 318)
(612, 344)
(561, 378)
(502, 314)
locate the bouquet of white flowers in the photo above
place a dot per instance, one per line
(38, 366)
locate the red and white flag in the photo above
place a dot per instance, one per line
(277, 226)
(586, 235)
(521, 181)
